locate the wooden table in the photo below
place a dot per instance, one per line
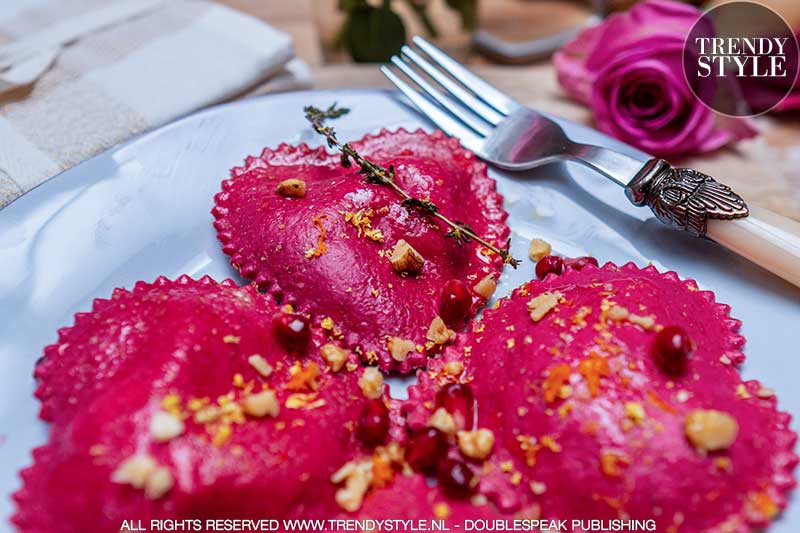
(764, 170)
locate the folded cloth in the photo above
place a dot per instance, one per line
(130, 75)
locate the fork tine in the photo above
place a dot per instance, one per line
(465, 116)
(474, 104)
(441, 118)
(486, 92)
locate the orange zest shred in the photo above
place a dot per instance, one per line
(762, 505)
(592, 368)
(303, 378)
(659, 402)
(321, 247)
(382, 471)
(612, 463)
(557, 377)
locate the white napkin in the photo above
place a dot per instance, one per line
(87, 74)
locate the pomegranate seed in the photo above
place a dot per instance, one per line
(456, 478)
(457, 399)
(373, 424)
(292, 330)
(425, 449)
(577, 263)
(456, 301)
(549, 264)
(671, 349)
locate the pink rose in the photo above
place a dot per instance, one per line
(629, 70)
(792, 101)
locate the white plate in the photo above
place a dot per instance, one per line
(143, 209)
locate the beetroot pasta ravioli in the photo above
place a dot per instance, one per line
(196, 399)
(313, 232)
(612, 393)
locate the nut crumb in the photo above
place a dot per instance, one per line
(260, 365)
(709, 430)
(543, 304)
(453, 368)
(371, 383)
(476, 444)
(134, 471)
(335, 356)
(158, 483)
(165, 426)
(538, 488)
(443, 421)
(292, 188)
(765, 392)
(485, 287)
(357, 478)
(439, 333)
(538, 249)
(400, 348)
(617, 313)
(405, 259)
(261, 404)
(647, 322)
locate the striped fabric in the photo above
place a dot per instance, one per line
(116, 82)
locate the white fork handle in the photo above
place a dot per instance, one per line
(689, 200)
(767, 239)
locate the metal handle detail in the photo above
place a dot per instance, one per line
(684, 198)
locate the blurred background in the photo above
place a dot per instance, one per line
(79, 76)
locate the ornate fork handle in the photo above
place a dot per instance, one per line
(684, 198)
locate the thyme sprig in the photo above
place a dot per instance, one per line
(374, 173)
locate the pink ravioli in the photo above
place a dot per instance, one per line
(329, 251)
(597, 429)
(411, 498)
(184, 351)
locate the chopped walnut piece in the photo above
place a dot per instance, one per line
(165, 426)
(476, 444)
(261, 404)
(439, 333)
(485, 287)
(134, 471)
(647, 322)
(207, 414)
(443, 421)
(538, 488)
(357, 478)
(453, 368)
(260, 365)
(542, 304)
(400, 348)
(292, 188)
(617, 313)
(335, 356)
(539, 249)
(405, 259)
(709, 430)
(158, 483)
(371, 383)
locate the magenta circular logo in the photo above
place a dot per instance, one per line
(741, 59)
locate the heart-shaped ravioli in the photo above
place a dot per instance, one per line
(197, 399)
(317, 235)
(613, 392)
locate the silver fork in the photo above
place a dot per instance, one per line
(513, 137)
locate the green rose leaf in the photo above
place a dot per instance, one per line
(374, 34)
(468, 10)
